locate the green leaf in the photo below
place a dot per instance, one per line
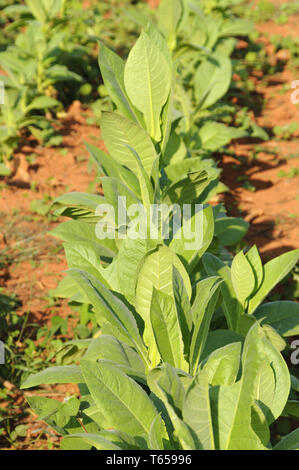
(129, 258)
(274, 271)
(166, 385)
(38, 10)
(282, 379)
(83, 256)
(169, 15)
(197, 410)
(99, 442)
(231, 405)
(78, 206)
(156, 271)
(222, 365)
(74, 231)
(118, 133)
(203, 308)
(123, 403)
(183, 308)
(214, 135)
(282, 315)
(194, 237)
(231, 306)
(289, 442)
(212, 79)
(112, 68)
(54, 375)
(110, 167)
(242, 276)
(166, 329)
(158, 438)
(230, 230)
(256, 263)
(111, 349)
(42, 102)
(148, 81)
(109, 308)
(218, 339)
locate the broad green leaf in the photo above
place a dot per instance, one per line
(78, 206)
(118, 133)
(95, 440)
(124, 403)
(289, 442)
(274, 338)
(111, 349)
(223, 364)
(218, 339)
(282, 315)
(156, 271)
(292, 409)
(230, 230)
(148, 80)
(74, 231)
(203, 308)
(264, 390)
(169, 389)
(183, 308)
(231, 405)
(256, 263)
(109, 308)
(42, 102)
(54, 375)
(38, 10)
(83, 256)
(166, 328)
(231, 306)
(214, 135)
(166, 379)
(169, 15)
(274, 271)
(112, 68)
(68, 289)
(194, 237)
(197, 410)
(259, 424)
(158, 438)
(111, 167)
(212, 79)
(114, 190)
(188, 189)
(236, 27)
(242, 275)
(282, 378)
(146, 188)
(129, 257)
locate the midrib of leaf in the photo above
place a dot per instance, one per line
(150, 97)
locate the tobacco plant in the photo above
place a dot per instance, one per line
(187, 356)
(202, 40)
(52, 60)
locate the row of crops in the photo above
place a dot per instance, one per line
(187, 352)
